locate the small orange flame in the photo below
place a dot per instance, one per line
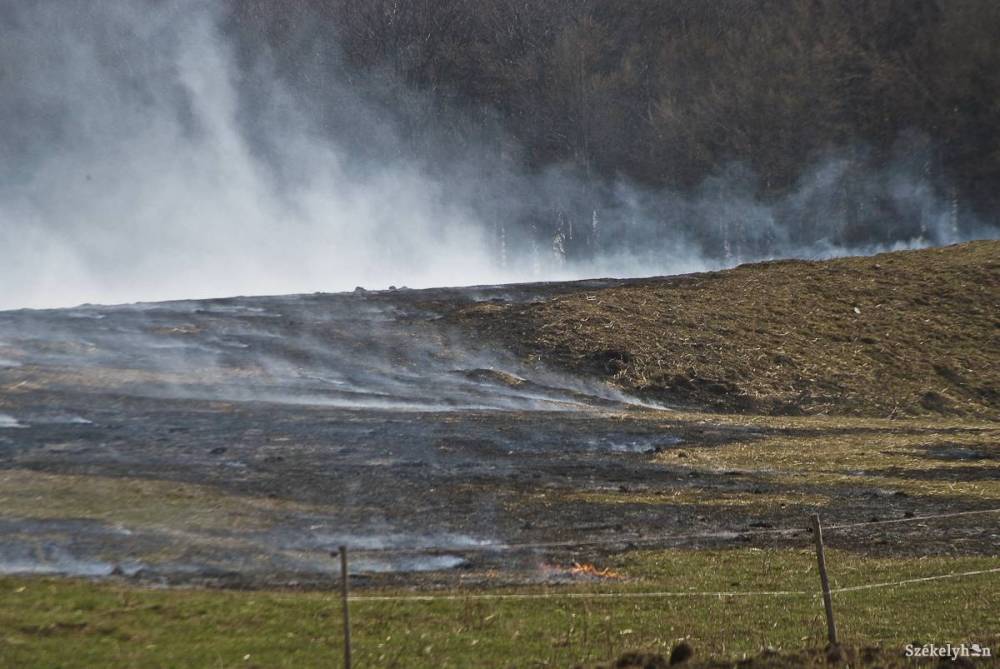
(590, 570)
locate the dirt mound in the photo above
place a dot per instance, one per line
(905, 333)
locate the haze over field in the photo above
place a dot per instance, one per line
(517, 443)
(164, 150)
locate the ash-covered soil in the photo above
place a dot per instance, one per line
(240, 441)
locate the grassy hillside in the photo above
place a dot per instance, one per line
(905, 333)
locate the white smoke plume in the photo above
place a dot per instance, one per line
(136, 166)
(128, 175)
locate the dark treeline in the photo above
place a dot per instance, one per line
(667, 93)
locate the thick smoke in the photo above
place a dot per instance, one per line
(130, 174)
(147, 157)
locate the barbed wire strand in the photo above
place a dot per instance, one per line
(924, 579)
(654, 594)
(576, 595)
(653, 540)
(632, 540)
(909, 520)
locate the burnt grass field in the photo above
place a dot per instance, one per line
(236, 442)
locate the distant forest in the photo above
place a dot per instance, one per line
(665, 93)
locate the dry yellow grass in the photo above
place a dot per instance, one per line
(941, 459)
(909, 333)
(135, 502)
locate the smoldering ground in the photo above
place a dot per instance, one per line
(347, 418)
(153, 151)
(240, 441)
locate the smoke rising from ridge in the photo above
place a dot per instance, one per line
(147, 158)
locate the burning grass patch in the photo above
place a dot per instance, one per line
(60, 622)
(593, 571)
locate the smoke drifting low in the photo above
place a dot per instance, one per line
(147, 158)
(131, 176)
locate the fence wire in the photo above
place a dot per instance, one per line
(659, 593)
(646, 540)
(665, 593)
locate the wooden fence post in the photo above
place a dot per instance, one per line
(831, 625)
(346, 607)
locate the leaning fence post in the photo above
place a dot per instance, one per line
(346, 607)
(831, 625)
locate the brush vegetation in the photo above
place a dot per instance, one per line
(907, 333)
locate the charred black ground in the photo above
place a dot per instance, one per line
(239, 441)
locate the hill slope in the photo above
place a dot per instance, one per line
(911, 332)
